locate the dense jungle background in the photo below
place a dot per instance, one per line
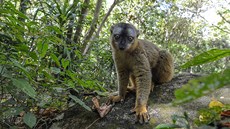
(52, 51)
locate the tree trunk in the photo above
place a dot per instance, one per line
(101, 25)
(81, 20)
(93, 25)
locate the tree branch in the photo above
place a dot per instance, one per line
(70, 30)
(223, 18)
(101, 25)
(93, 25)
(226, 31)
(81, 19)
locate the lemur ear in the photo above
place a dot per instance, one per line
(138, 33)
(111, 29)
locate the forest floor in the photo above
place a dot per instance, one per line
(160, 109)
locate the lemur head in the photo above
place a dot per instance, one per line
(123, 36)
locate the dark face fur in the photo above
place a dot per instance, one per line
(123, 36)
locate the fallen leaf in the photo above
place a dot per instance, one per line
(225, 113)
(103, 109)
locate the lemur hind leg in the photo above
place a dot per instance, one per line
(164, 70)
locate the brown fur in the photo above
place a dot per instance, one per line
(142, 64)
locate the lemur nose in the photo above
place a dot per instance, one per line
(121, 47)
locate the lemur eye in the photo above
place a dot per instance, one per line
(130, 38)
(116, 36)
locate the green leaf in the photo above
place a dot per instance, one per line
(54, 28)
(55, 58)
(208, 56)
(33, 55)
(42, 48)
(24, 85)
(167, 126)
(196, 88)
(65, 63)
(71, 74)
(15, 62)
(77, 100)
(23, 47)
(29, 119)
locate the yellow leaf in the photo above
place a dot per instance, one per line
(215, 103)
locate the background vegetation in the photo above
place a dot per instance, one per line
(49, 47)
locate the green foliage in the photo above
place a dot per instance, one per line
(198, 87)
(38, 61)
(204, 85)
(211, 116)
(40, 58)
(201, 86)
(24, 85)
(208, 115)
(208, 56)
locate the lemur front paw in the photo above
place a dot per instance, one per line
(141, 114)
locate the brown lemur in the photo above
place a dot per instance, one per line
(140, 63)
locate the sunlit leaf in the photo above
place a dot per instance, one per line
(77, 100)
(208, 56)
(24, 85)
(29, 119)
(71, 74)
(202, 86)
(42, 48)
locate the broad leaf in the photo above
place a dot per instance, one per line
(208, 56)
(24, 85)
(42, 48)
(77, 100)
(202, 86)
(29, 119)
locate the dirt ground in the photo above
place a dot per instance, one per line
(160, 109)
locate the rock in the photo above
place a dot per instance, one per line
(160, 109)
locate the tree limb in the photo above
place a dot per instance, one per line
(223, 18)
(93, 25)
(226, 31)
(70, 30)
(81, 19)
(101, 25)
